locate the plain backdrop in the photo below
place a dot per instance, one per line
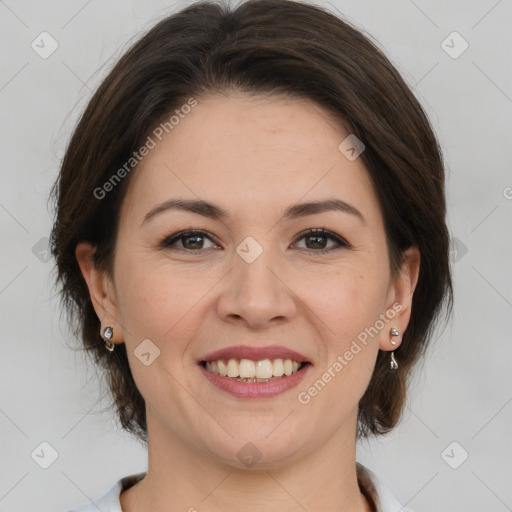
(452, 451)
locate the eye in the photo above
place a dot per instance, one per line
(190, 240)
(194, 241)
(316, 240)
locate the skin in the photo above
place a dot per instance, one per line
(254, 157)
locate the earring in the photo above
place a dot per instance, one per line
(107, 335)
(393, 332)
(393, 365)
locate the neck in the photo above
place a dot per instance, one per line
(184, 476)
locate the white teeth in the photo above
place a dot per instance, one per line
(264, 369)
(233, 369)
(278, 368)
(223, 370)
(256, 370)
(247, 369)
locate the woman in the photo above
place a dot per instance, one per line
(251, 241)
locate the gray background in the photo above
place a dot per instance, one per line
(462, 393)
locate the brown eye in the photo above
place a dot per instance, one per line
(316, 240)
(190, 240)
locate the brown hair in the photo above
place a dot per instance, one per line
(261, 46)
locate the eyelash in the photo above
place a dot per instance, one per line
(320, 232)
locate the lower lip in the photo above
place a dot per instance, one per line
(255, 389)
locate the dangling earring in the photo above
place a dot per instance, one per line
(393, 365)
(107, 335)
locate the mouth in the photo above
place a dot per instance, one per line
(254, 372)
(247, 370)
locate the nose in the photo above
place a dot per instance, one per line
(256, 294)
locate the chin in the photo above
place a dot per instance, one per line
(251, 450)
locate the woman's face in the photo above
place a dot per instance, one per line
(253, 278)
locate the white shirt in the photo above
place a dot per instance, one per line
(109, 502)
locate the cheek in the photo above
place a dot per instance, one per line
(157, 303)
(347, 301)
(348, 307)
(157, 299)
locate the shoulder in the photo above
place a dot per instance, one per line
(109, 502)
(372, 485)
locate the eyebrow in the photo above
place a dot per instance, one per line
(211, 211)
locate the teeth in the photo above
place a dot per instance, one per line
(253, 371)
(222, 368)
(233, 368)
(247, 369)
(278, 368)
(263, 369)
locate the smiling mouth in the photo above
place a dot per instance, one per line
(247, 370)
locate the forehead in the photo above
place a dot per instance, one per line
(251, 153)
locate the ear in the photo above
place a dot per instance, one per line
(101, 290)
(399, 299)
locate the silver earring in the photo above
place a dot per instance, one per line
(393, 332)
(393, 365)
(107, 335)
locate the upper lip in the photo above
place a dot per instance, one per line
(255, 353)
